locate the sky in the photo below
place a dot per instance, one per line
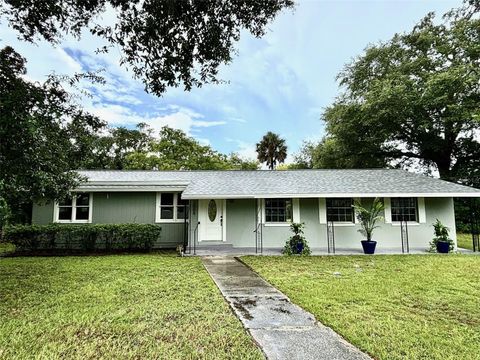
(280, 82)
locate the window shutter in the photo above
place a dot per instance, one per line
(296, 210)
(322, 210)
(388, 210)
(422, 216)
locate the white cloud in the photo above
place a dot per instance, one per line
(244, 149)
(181, 118)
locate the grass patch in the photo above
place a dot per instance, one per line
(6, 248)
(393, 307)
(464, 241)
(115, 307)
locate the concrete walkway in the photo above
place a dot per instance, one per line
(283, 330)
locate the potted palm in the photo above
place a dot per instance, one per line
(368, 218)
(441, 242)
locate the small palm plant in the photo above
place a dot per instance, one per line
(368, 218)
(442, 242)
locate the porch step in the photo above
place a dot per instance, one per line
(214, 244)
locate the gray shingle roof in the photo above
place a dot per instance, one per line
(262, 183)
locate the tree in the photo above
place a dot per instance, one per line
(414, 99)
(111, 149)
(36, 121)
(174, 150)
(272, 150)
(165, 42)
(330, 154)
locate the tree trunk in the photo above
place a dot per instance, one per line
(443, 167)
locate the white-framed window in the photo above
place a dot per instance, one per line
(74, 209)
(170, 207)
(404, 209)
(409, 209)
(280, 211)
(340, 210)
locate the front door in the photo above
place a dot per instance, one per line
(211, 223)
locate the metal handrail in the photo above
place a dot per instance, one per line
(404, 235)
(195, 238)
(330, 237)
(258, 229)
(258, 238)
(475, 225)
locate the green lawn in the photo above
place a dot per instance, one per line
(6, 248)
(393, 307)
(464, 241)
(115, 307)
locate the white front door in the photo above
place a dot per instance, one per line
(211, 224)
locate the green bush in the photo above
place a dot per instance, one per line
(297, 241)
(83, 237)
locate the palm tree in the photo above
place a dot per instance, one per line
(271, 149)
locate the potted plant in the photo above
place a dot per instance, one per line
(297, 244)
(441, 242)
(368, 217)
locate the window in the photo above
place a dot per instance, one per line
(171, 208)
(404, 209)
(278, 210)
(74, 209)
(340, 210)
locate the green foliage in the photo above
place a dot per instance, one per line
(5, 213)
(296, 240)
(174, 150)
(272, 150)
(6, 248)
(368, 217)
(111, 149)
(413, 99)
(165, 43)
(466, 210)
(83, 237)
(330, 154)
(442, 233)
(37, 127)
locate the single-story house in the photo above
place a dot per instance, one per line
(253, 209)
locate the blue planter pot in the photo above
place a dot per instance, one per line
(369, 247)
(443, 247)
(299, 248)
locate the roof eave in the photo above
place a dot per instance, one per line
(329, 195)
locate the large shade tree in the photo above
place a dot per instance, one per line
(413, 100)
(165, 42)
(271, 150)
(175, 150)
(111, 148)
(37, 124)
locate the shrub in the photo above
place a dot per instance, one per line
(83, 237)
(442, 233)
(297, 244)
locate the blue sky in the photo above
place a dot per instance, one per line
(278, 83)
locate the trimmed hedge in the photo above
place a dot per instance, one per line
(83, 237)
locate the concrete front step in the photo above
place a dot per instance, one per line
(214, 245)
